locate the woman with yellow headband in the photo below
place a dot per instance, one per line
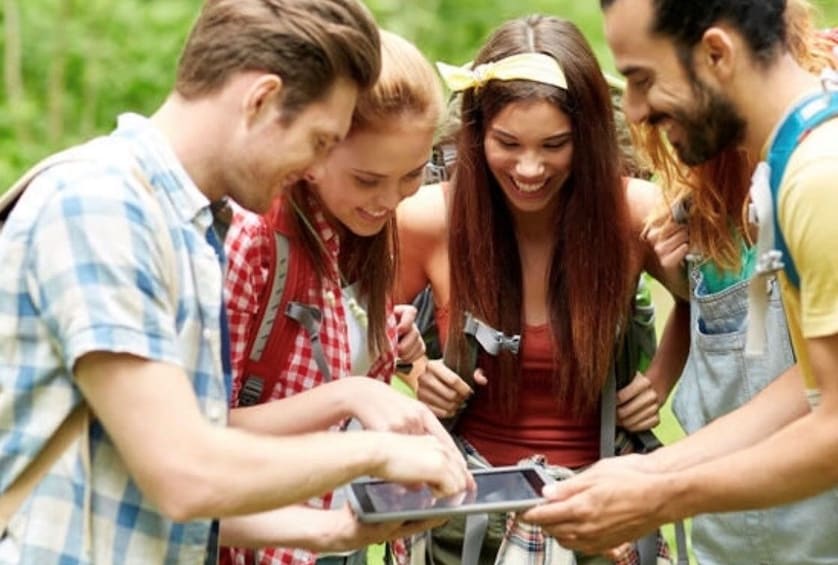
(537, 234)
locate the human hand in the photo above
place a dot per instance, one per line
(340, 530)
(638, 405)
(442, 390)
(597, 511)
(671, 243)
(411, 346)
(379, 407)
(425, 459)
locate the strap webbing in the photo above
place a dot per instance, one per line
(310, 317)
(473, 536)
(70, 429)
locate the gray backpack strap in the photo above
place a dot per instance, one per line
(479, 335)
(608, 415)
(473, 536)
(252, 387)
(310, 317)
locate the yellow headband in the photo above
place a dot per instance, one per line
(536, 67)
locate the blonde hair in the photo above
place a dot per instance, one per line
(407, 86)
(718, 190)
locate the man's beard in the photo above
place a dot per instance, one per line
(710, 128)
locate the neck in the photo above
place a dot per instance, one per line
(196, 145)
(787, 82)
(534, 227)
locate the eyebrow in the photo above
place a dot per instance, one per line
(555, 137)
(368, 173)
(630, 70)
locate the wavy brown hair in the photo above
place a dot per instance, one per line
(308, 43)
(589, 282)
(407, 87)
(718, 189)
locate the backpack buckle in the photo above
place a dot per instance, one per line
(251, 391)
(770, 262)
(491, 340)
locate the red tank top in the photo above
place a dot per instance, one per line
(541, 424)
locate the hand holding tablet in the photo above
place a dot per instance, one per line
(499, 489)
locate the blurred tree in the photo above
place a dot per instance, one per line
(70, 67)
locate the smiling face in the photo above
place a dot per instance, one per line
(272, 153)
(699, 121)
(529, 150)
(368, 174)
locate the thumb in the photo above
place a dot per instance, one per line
(480, 378)
(562, 490)
(406, 314)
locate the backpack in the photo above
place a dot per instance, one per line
(271, 342)
(632, 353)
(772, 248)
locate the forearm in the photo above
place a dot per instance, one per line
(294, 526)
(795, 463)
(191, 468)
(780, 403)
(673, 348)
(312, 410)
(226, 472)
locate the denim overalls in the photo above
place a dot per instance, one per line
(718, 379)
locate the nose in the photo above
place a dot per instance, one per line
(315, 172)
(635, 107)
(530, 165)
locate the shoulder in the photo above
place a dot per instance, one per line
(422, 222)
(248, 247)
(424, 213)
(643, 197)
(807, 196)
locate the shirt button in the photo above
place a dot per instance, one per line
(207, 333)
(215, 413)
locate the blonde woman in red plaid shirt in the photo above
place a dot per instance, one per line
(341, 218)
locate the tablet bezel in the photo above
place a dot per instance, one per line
(362, 505)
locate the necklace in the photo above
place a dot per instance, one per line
(358, 312)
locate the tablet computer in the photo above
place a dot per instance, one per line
(499, 489)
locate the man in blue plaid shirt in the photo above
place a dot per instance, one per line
(111, 298)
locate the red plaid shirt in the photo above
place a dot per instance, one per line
(248, 246)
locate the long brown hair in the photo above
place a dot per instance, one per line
(407, 87)
(589, 283)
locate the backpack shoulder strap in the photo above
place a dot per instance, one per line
(809, 114)
(259, 380)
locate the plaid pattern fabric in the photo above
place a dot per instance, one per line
(84, 270)
(527, 544)
(248, 246)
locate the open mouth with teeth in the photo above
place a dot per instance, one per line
(529, 187)
(374, 215)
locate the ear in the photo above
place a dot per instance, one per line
(718, 52)
(262, 98)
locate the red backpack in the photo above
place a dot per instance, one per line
(271, 341)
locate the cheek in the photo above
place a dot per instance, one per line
(498, 160)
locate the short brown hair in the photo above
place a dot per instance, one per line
(308, 43)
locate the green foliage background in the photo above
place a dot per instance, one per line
(83, 63)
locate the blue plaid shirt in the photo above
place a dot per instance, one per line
(83, 270)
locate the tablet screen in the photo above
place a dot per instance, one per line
(495, 487)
